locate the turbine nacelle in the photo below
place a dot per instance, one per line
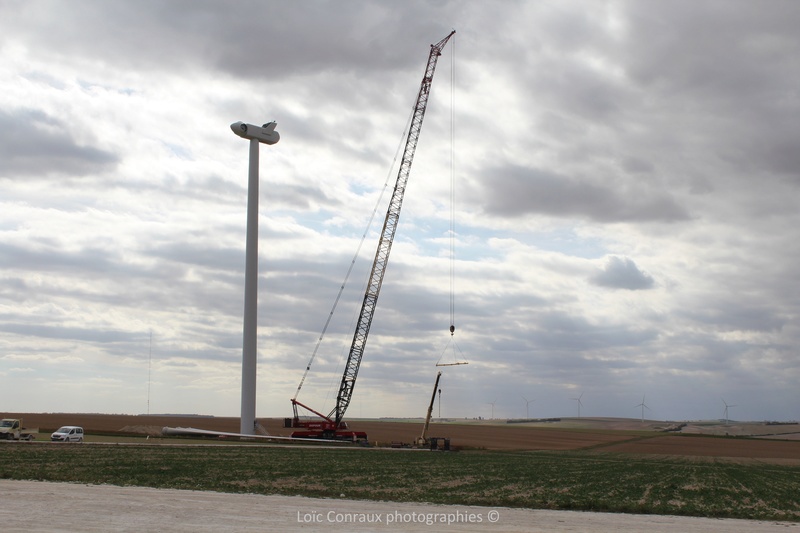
(265, 134)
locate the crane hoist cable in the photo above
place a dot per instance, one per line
(384, 247)
(355, 258)
(452, 189)
(381, 260)
(452, 341)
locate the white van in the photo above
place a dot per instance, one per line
(68, 434)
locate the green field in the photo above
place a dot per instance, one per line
(537, 480)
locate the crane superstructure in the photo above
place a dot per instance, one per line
(332, 425)
(423, 438)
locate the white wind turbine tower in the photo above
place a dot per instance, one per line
(643, 406)
(578, 399)
(725, 416)
(527, 403)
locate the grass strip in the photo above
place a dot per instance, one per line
(536, 480)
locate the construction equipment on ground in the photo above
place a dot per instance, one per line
(423, 438)
(332, 426)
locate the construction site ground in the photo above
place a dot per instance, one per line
(775, 442)
(43, 506)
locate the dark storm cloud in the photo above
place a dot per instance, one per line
(228, 261)
(212, 187)
(694, 98)
(737, 315)
(300, 197)
(34, 144)
(88, 334)
(723, 73)
(516, 191)
(714, 47)
(48, 257)
(558, 331)
(260, 40)
(97, 276)
(622, 273)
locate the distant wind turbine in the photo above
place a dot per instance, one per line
(527, 403)
(725, 416)
(643, 406)
(578, 399)
(492, 404)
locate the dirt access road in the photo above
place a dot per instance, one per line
(35, 506)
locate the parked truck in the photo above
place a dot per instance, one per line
(11, 429)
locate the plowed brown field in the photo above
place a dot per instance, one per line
(711, 447)
(607, 435)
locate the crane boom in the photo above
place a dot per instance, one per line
(423, 439)
(385, 243)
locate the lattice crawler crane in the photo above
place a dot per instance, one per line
(332, 426)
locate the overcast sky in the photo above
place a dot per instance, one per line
(626, 205)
